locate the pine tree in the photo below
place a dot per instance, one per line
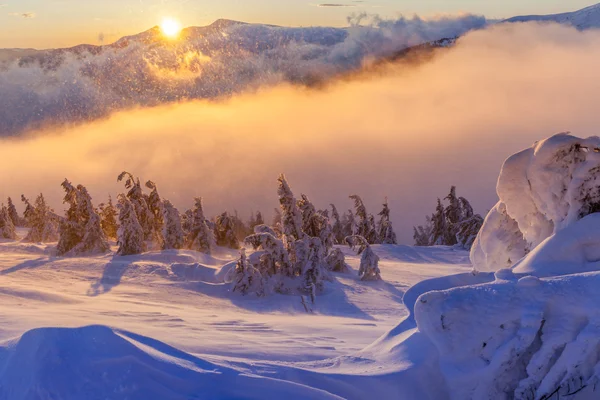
(130, 233)
(247, 279)
(135, 194)
(369, 261)
(384, 226)
(108, 218)
(14, 215)
(225, 232)
(291, 217)
(173, 235)
(155, 205)
(42, 221)
(81, 229)
(200, 237)
(7, 228)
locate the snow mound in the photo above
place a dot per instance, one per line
(525, 338)
(542, 190)
(96, 362)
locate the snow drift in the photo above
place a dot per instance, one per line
(96, 362)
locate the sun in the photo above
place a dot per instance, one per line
(170, 27)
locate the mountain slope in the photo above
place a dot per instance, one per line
(586, 18)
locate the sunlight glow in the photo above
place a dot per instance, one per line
(170, 28)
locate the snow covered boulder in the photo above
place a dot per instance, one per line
(526, 338)
(542, 190)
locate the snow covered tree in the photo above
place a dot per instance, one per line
(272, 257)
(451, 225)
(337, 229)
(276, 224)
(365, 223)
(439, 232)
(384, 226)
(186, 221)
(108, 218)
(422, 234)
(14, 215)
(225, 231)
(29, 212)
(172, 234)
(42, 221)
(7, 228)
(136, 196)
(240, 229)
(81, 230)
(348, 224)
(247, 279)
(130, 234)
(155, 205)
(291, 217)
(336, 261)
(200, 236)
(369, 261)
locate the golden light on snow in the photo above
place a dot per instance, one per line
(170, 28)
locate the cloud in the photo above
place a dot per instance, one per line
(403, 132)
(26, 15)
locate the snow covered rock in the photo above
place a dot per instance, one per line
(529, 338)
(542, 191)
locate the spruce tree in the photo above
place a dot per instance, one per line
(108, 218)
(139, 201)
(225, 232)
(337, 228)
(173, 235)
(247, 279)
(336, 261)
(81, 230)
(14, 215)
(7, 228)
(130, 233)
(155, 205)
(384, 226)
(274, 258)
(200, 238)
(291, 217)
(369, 261)
(42, 221)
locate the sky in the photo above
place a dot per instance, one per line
(63, 23)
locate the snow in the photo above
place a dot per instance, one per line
(586, 18)
(542, 190)
(166, 325)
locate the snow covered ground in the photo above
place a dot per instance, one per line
(164, 325)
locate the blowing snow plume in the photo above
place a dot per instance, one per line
(87, 82)
(408, 133)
